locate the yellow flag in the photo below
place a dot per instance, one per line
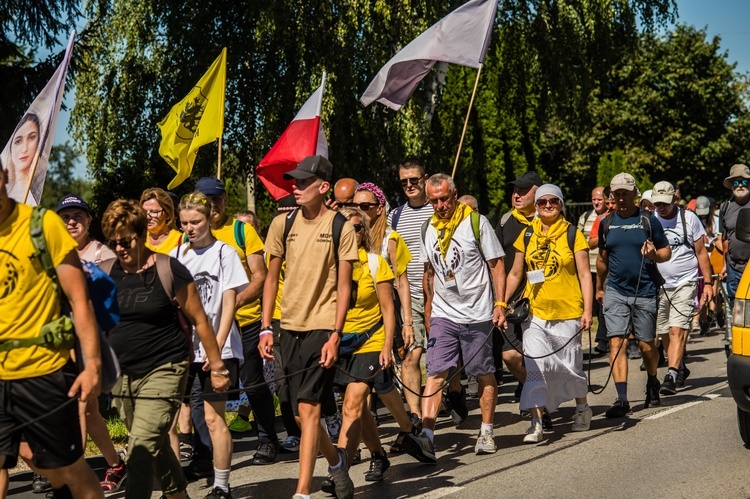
(196, 120)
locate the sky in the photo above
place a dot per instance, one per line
(727, 19)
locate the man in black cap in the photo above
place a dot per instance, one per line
(320, 247)
(506, 347)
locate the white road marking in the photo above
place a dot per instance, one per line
(441, 492)
(680, 407)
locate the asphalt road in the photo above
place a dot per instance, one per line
(687, 447)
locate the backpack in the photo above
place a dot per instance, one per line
(571, 233)
(338, 224)
(396, 215)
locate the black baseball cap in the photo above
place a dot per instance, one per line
(527, 179)
(312, 166)
(72, 201)
(210, 186)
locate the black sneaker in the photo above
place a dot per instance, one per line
(633, 351)
(39, 484)
(668, 386)
(199, 468)
(458, 408)
(266, 453)
(602, 348)
(343, 487)
(416, 423)
(327, 486)
(218, 493)
(547, 421)
(619, 409)
(652, 395)
(420, 448)
(682, 375)
(379, 463)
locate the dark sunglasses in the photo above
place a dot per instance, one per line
(362, 206)
(737, 183)
(358, 227)
(550, 201)
(125, 242)
(412, 181)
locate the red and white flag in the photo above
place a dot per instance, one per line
(461, 37)
(302, 138)
(27, 152)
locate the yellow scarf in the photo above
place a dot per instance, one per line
(445, 229)
(558, 229)
(521, 217)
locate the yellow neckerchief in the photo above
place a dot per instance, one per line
(520, 217)
(445, 229)
(558, 229)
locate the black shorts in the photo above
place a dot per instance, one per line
(511, 340)
(55, 439)
(363, 367)
(300, 351)
(204, 377)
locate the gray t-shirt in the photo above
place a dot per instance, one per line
(739, 252)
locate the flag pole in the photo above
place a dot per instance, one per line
(31, 177)
(218, 168)
(466, 121)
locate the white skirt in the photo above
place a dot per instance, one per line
(557, 378)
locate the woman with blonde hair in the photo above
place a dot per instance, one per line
(163, 237)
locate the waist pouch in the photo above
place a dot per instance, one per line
(351, 342)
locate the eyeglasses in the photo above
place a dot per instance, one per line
(661, 205)
(358, 227)
(743, 183)
(125, 242)
(154, 213)
(550, 201)
(412, 181)
(362, 206)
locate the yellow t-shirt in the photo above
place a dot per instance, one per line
(403, 255)
(249, 313)
(366, 312)
(168, 244)
(310, 302)
(559, 297)
(27, 299)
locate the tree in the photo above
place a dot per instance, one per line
(61, 179)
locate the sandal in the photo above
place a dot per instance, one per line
(398, 445)
(187, 452)
(114, 478)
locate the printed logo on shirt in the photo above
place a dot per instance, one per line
(627, 227)
(548, 260)
(454, 259)
(206, 283)
(674, 237)
(12, 274)
(324, 237)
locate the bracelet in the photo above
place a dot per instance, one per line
(501, 304)
(709, 283)
(338, 331)
(224, 373)
(407, 325)
(266, 328)
(264, 332)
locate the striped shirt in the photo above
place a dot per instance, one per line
(410, 228)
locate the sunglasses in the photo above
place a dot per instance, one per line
(740, 183)
(362, 206)
(412, 181)
(550, 201)
(154, 213)
(358, 227)
(125, 242)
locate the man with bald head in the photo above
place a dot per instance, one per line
(470, 201)
(585, 224)
(343, 191)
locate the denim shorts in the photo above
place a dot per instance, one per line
(619, 310)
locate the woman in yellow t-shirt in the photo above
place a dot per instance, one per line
(551, 343)
(162, 237)
(371, 320)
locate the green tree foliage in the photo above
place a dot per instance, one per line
(61, 179)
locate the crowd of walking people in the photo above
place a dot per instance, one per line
(345, 301)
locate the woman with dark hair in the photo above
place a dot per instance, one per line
(23, 146)
(152, 347)
(162, 235)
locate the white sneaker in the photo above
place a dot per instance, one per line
(485, 443)
(534, 434)
(582, 420)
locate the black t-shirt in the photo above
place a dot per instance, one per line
(149, 333)
(507, 234)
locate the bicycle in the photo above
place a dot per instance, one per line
(723, 313)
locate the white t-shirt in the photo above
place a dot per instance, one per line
(683, 266)
(215, 268)
(468, 298)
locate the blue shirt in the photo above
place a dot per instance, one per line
(626, 264)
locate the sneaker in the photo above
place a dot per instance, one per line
(63, 493)
(343, 487)
(290, 444)
(357, 457)
(199, 468)
(333, 424)
(602, 347)
(547, 421)
(40, 484)
(682, 375)
(534, 434)
(327, 486)
(240, 425)
(379, 463)
(669, 385)
(619, 409)
(652, 395)
(458, 408)
(420, 448)
(218, 493)
(114, 478)
(582, 420)
(416, 423)
(472, 387)
(485, 443)
(704, 326)
(266, 453)
(524, 414)
(633, 351)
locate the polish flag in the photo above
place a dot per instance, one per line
(302, 138)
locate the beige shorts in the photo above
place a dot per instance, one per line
(417, 315)
(676, 307)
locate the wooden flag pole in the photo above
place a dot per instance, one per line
(218, 168)
(466, 121)
(31, 178)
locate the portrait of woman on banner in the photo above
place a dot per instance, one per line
(19, 154)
